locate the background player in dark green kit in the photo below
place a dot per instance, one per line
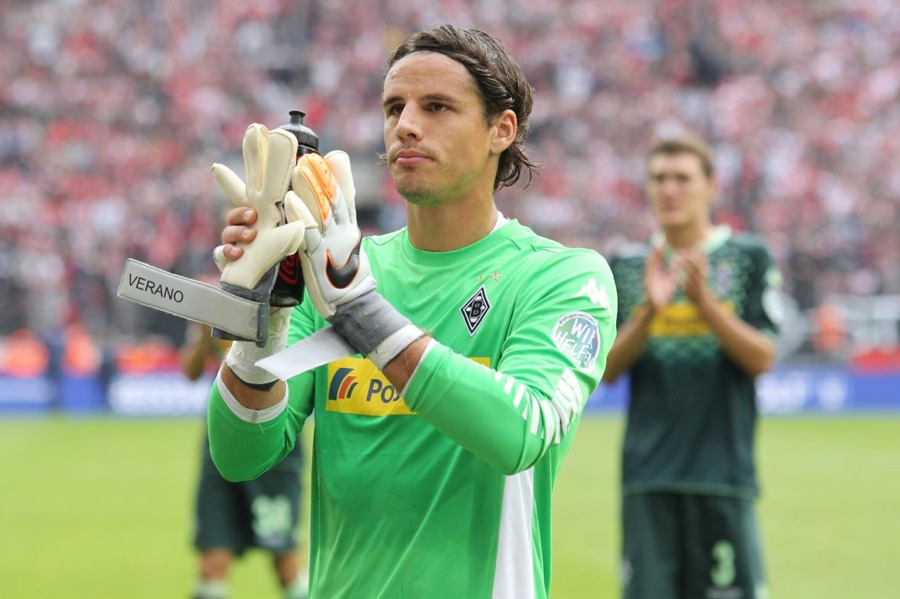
(698, 313)
(233, 517)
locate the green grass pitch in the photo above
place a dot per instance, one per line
(101, 507)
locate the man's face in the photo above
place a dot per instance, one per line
(440, 148)
(679, 190)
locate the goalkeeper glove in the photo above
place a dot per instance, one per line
(268, 159)
(335, 266)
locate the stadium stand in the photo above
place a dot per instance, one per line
(111, 113)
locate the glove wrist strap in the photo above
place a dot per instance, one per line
(243, 355)
(260, 293)
(374, 328)
(391, 347)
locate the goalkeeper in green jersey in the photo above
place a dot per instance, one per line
(475, 343)
(698, 315)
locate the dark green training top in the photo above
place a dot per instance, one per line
(692, 412)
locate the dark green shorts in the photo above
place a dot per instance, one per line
(263, 512)
(681, 546)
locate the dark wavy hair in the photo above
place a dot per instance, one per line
(500, 80)
(686, 144)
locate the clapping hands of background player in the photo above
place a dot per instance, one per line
(687, 268)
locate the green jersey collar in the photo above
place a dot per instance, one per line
(502, 231)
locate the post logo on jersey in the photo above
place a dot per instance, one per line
(577, 336)
(476, 309)
(356, 386)
(342, 384)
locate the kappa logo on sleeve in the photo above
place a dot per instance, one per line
(577, 336)
(597, 294)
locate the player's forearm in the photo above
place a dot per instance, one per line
(491, 414)
(193, 358)
(195, 351)
(629, 343)
(249, 397)
(399, 370)
(244, 443)
(749, 348)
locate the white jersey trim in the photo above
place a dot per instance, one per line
(245, 413)
(501, 220)
(514, 570)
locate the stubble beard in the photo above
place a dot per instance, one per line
(418, 197)
(418, 194)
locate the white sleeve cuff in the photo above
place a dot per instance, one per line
(245, 413)
(391, 347)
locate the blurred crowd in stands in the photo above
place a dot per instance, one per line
(111, 113)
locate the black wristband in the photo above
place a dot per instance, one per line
(256, 386)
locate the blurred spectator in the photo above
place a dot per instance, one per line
(111, 113)
(829, 332)
(23, 354)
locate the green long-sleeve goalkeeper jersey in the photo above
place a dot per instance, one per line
(444, 491)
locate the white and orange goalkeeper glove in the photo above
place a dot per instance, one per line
(335, 267)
